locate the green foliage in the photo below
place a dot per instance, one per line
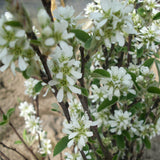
(154, 90)
(13, 24)
(158, 68)
(147, 142)
(81, 35)
(38, 87)
(157, 16)
(148, 63)
(61, 145)
(100, 73)
(107, 103)
(120, 141)
(18, 142)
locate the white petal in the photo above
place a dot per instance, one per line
(70, 143)
(120, 38)
(75, 90)
(76, 74)
(70, 80)
(20, 33)
(60, 95)
(3, 52)
(49, 42)
(72, 135)
(22, 64)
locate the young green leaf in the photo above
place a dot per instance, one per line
(148, 62)
(147, 142)
(13, 24)
(81, 35)
(84, 91)
(120, 141)
(157, 16)
(3, 123)
(18, 142)
(38, 87)
(61, 145)
(10, 111)
(107, 103)
(154, 90)
(134, 80)
(35, 42)
(5, 118)
(88, 43)
(100, 72)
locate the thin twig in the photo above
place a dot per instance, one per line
(83, 155)
(13, 149)
(37, 105)
(14, 129)
(47, 6)
(3, 155)
(129, 60)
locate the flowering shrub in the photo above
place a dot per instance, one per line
(101, 76)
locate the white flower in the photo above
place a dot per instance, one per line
(119, 121)
(43, 17)
(119, 83)
(33, 124)
(45, 146)
(144, 70)
(30, 84)
(78, 130)
(26, 110)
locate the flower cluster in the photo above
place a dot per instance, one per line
(13, 45)
(65, 70)
(33, 124)
(120, 121)
(112, 21)
(78, 130)
(52, 33)
(144, 77)
(119, 83)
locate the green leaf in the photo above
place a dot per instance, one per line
(127, 135)
(107, 103)
(84, 91)
(88, 43)
(18, 142)
(115, 157)
(10, 111)
(157, 16)
(158, 68)
(147, 142)
(3, 123)
(25, 135)
(81, 35)
(154, 90)
(25, 75)
(149, 62)
(100, 73)
(38, 87)
(5, 118)
(120, 141)
(61, 145)
(55, 107)
(35, 42)
(140, 52)
(13, 24)
(141, 12)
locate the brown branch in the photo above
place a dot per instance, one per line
(3, 155)
(13, 149)
(83, 155)
(14, 129)
(37, 105)
(47, 6)
(129, 60)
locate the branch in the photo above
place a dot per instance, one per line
(47, 6)
(13, 149)
(14, 129)
(129, 60)
(3, 155)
